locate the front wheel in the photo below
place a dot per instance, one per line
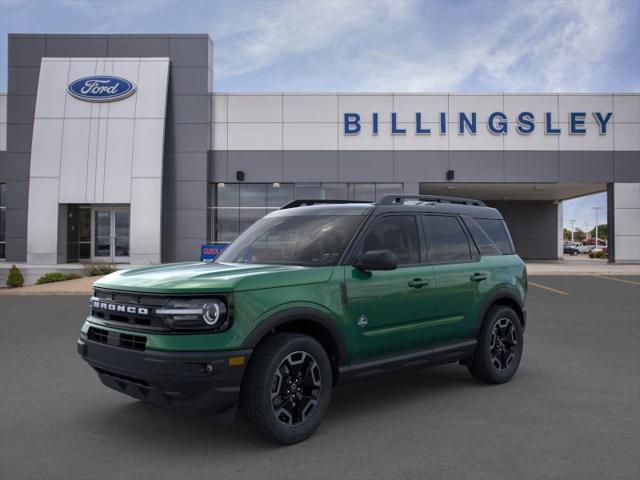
(287, 388)
(499, 349)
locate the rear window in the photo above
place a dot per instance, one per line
(447, 241)
(481, 239)
(497, 231)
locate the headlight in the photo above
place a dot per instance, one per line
(195, 314)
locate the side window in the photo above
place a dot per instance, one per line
(397, 233)
(497, 231)
(482, 240)
(447, 241)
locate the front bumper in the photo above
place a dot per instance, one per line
(186, 380)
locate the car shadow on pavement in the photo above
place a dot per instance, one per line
(136, 421)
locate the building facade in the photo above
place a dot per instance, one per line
(116, 148)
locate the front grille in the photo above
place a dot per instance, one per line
(122, 340)
(98, 335)
(135, 311)
(133, 342)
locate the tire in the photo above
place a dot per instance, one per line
(499, 350)
(297, 370)
(574, 253)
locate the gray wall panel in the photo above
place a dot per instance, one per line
(16, 223)
(428, 166)
(188, 109)
(76, 46)
(185, 223)
(138, 46)
(626, 166)
(16, 250)
(26, 50)
(365, 166)
(477, 166)
(23, 80)
(17, 195)
(586, 166)
(185, 166)
(189, 51)
(310, 166)
(22, 108)
(526, 166)
(15, 167)
(185, 195)
(218, 166)
(187, 137)
(188, 80)
(258, 166)
(533, 226)
(19, 137)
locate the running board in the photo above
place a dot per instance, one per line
(447, 353)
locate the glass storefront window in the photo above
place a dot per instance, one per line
(234, 207)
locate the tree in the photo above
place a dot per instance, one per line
(566, 234)
(578, 235)
(15, 278)
(603, 231)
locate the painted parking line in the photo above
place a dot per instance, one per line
(631, 282)
(544, 287)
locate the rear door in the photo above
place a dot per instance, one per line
(460, 273)
(389, 311)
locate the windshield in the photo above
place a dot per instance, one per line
(312, 241)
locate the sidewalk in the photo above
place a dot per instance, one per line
(81, 286)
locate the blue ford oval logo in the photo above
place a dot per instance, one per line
(101, 88)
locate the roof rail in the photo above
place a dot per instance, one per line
(400, 199)
(306, 203)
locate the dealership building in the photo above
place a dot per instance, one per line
(117, 148)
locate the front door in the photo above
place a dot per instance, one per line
(111, 234)
(390, 311)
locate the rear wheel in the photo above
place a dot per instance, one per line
(287, 388)
(499, 349)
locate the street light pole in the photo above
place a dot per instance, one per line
(596, 210)
(572, 222)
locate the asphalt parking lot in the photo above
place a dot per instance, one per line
(572, 411)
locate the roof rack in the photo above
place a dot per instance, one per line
(306, 203)
(400, 199)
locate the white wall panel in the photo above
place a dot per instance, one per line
(146, 220)
(536, 104)
(626, 107)
(151, 94)
(219, 104)
(626, 195)
(3, 136)
(3, 108)
(584, 103)
(74, 160)
(45, 147)
(255, 136)
(125, 108)
(219, 136)
(310, 108)
(534, 141)
(483, 105)
(118, 158)
(92, 159)
(365, 105)
(42, 247)
(627, 136)
(430, 106)
(77, 108)
(52, 86)
(365, 140)
(148, 147)
(483, 140)
(411, 141)
(628, 221)
(592, 140)
(255, 108)
(310, 136)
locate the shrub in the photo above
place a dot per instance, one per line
(52, 277)
(596, 254)
(15, 278)
(100, 269)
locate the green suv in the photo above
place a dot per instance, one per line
(316, 294)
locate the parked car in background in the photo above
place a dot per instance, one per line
(572, 248)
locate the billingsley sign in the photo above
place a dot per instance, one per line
(497, 123)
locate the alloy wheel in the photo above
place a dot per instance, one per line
(504, 343)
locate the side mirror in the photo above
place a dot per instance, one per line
(377, 260)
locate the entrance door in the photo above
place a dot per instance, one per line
(111, 234)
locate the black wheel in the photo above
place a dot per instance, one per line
(499, 349)
(287, 388)
(574, 253)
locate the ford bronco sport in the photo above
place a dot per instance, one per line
(315, 294)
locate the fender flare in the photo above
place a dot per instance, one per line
(499, 294)
(300, 313)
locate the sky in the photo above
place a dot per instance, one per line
(377, 45)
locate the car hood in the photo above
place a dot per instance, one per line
(211, 277)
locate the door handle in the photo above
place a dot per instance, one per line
(478, 277)
(418, 283)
